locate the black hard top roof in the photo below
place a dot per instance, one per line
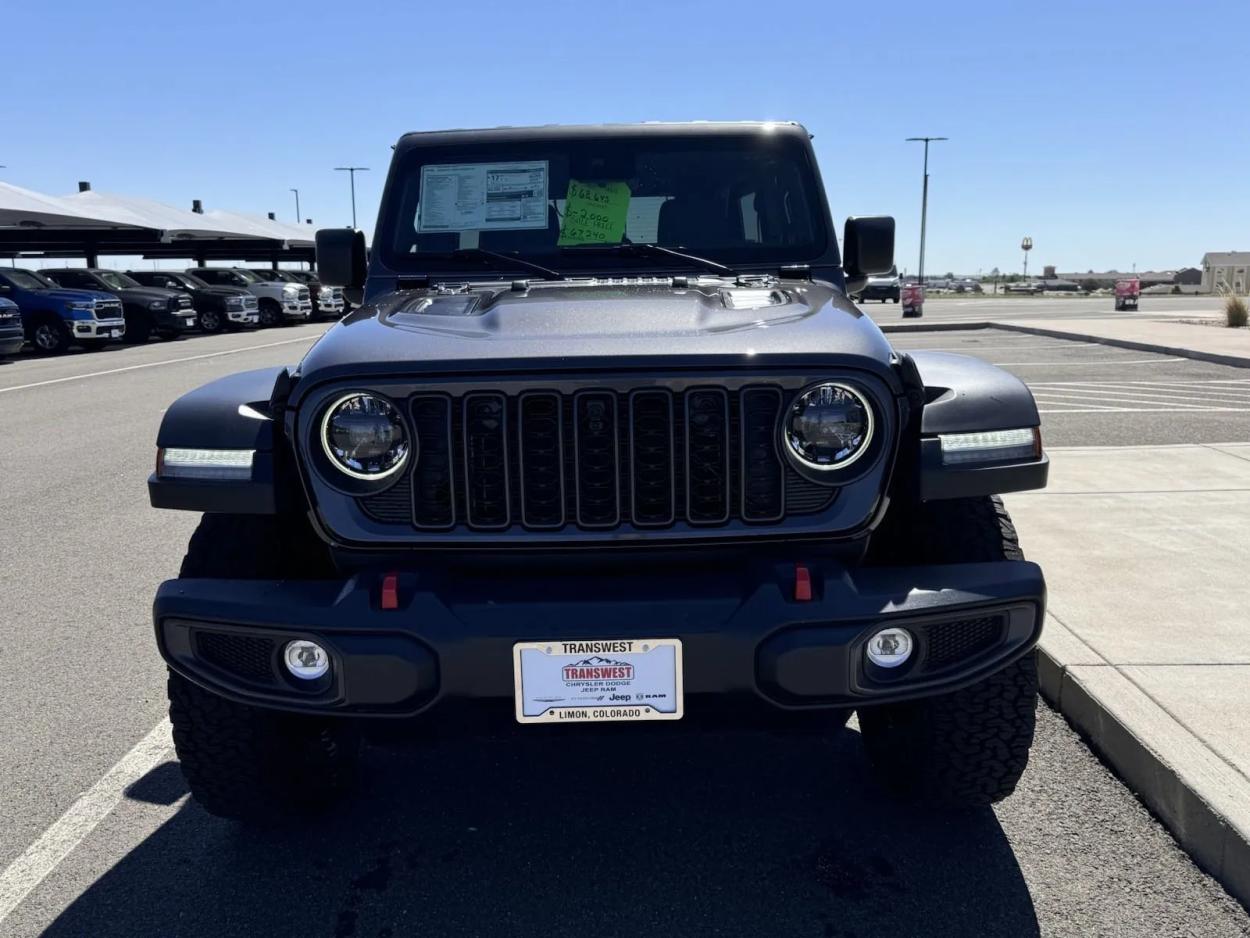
(575, 131)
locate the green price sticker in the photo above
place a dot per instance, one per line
(594, 213)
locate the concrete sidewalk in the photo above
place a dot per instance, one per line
(1147, 645)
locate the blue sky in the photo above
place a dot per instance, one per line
(1112, 134)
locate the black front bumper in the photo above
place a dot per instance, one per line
(743, 632)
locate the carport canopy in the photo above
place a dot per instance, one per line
(89, 224)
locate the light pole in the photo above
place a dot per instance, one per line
(1026, 245)
(924, 197)
(296, 191)
(352, 170)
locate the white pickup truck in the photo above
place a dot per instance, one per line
(279, 301)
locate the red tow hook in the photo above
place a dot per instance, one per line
(390, 591)
(802, 584)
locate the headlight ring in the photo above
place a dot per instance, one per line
(828, 427)
(364, 437)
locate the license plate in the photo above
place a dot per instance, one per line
(598, 681)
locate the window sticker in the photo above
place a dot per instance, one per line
(483, 196)
(594, 213)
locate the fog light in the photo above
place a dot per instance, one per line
(889, 648)
(306, 660)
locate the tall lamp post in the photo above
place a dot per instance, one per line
(924, 197)
(1026, 245)
(297, 212)
(353, 170)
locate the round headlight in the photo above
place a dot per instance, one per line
(364, 436)
(828, 426)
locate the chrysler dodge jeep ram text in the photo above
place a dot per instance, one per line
(604, 440)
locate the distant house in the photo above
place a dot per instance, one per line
(1225, 272)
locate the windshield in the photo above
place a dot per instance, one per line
(247, 275)
(736, 199)
(118, 281)
(28, 280)
(270, 275)
(190, 280)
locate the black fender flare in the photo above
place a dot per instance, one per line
(231, 413)
(966, 395)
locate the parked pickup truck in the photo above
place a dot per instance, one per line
(327, 301)
(11, 335)
(54, 319)
(148, 310)
(605, 440)
(216, 308)
(279, 301)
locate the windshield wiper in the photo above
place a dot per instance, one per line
(482, 254)
(647, 249)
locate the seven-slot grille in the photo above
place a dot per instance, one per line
(597, 459)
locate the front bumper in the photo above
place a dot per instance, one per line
(12, 338)
(744, 634)
(243, 317)
(98, 328)
(175, 320)
(297, 310)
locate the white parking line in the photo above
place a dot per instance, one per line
(167, 361)
(72, 827)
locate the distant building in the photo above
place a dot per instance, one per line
(1225, 271)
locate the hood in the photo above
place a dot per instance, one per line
(66, 295)
(595, 324)
(221, 291)
(147, 294)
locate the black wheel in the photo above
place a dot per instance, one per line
(211, 321)
(895, 299)
(48, 335)
(138, 329)
(270, 314)
(969, 747)
(242, 762)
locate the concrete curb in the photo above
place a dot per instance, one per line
(1179, 779)
(1215, 358)
(934, 326)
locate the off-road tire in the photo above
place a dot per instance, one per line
(970, 747)
(241, 762)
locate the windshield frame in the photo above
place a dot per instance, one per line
(415, 150)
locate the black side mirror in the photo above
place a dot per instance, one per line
(342, 261)
(867, 249)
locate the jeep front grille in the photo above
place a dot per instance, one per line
(597, 459)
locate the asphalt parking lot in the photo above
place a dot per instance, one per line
(612, 833)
